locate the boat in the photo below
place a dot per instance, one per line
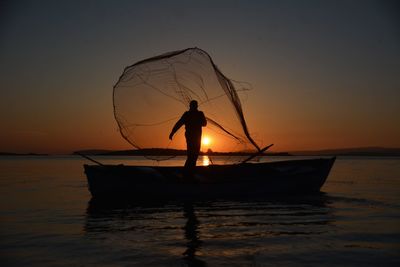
(215, 181)
(176, 78)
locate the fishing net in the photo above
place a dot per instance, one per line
(152, 94)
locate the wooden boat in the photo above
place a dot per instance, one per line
(238, 180)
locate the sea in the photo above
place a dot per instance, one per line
(47, 218)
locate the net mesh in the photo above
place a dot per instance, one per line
(152, 94)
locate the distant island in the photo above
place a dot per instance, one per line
(167, 152)
(362, 151)
(21, 154)
(358, 151)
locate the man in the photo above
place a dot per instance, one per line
(193, 120)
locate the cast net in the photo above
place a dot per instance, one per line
(152, 94)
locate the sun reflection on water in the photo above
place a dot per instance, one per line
(205, 161)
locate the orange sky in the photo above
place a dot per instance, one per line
(323, 76)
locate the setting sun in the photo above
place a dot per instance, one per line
(206, 140)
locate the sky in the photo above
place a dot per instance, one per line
(325, 74)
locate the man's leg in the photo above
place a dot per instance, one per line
(193, 144)
(190, 160)
(196, 150)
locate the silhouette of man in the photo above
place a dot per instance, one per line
(193, 120)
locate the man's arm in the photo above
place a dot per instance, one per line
(204, 120)
(178, 125)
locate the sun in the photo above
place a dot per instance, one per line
(206, 140)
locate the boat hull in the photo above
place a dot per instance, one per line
(216, 181)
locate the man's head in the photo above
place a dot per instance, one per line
(193, 105)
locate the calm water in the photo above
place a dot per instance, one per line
(47, 219)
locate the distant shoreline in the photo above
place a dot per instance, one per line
(368, 152)
(359, 152)
(22, 154)
(167, 152)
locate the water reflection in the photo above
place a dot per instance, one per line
(186, 228)
(205, 161)
(192, 236)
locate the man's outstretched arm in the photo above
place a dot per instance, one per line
(204, 122)
(178, 125)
